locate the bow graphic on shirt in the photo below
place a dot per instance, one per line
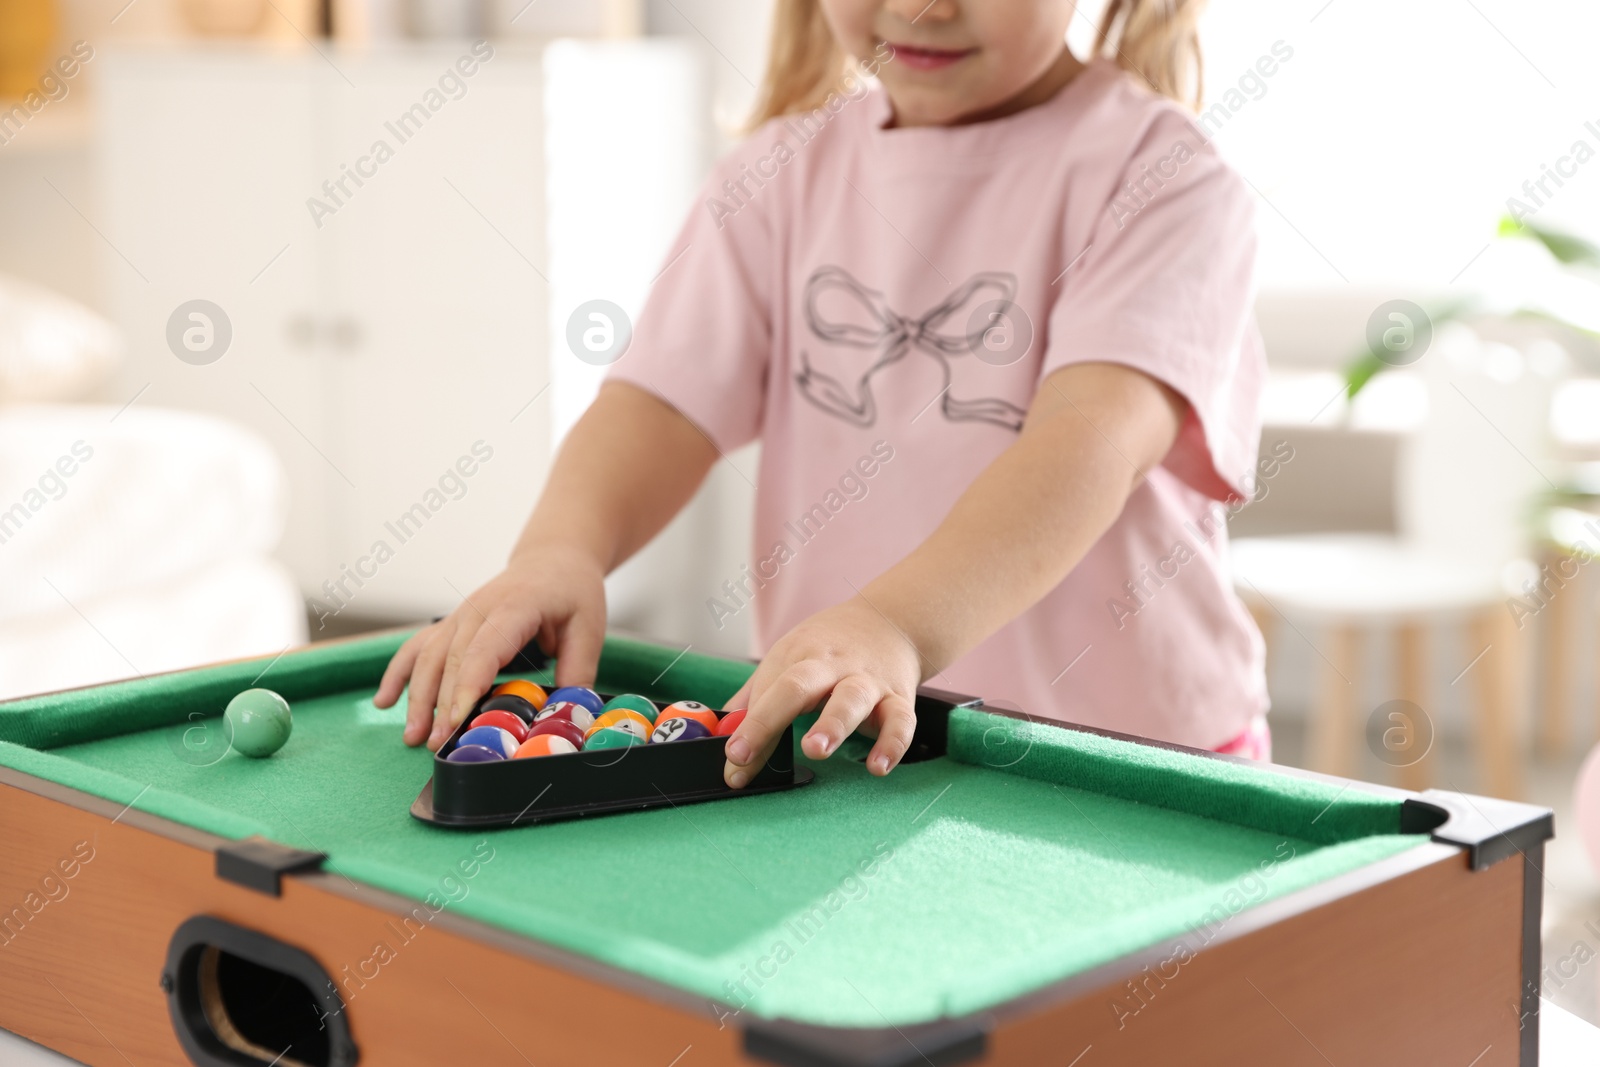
(891, 337)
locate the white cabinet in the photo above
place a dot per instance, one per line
(397, 273)
(383, 324)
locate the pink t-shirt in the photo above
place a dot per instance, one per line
(836, 295)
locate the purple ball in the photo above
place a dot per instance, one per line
(473, 754)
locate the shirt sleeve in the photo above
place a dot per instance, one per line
(704, 339)
(1166, 286)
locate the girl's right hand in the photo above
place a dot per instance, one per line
(555, 594)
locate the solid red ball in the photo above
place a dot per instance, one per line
(729, 723)
(507, 721)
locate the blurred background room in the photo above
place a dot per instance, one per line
(287, 286)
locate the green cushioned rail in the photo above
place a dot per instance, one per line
(1217, 789)
(944, 888)
(76, 715)
(177, 697)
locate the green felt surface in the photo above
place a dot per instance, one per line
(946, 887)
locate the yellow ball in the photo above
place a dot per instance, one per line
(621, 719)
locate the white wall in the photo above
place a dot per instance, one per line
(733, 34)
(1385, 149)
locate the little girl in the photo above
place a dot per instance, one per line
(989, 315)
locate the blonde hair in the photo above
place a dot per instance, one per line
(1158, 41)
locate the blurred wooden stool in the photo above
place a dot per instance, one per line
(1340, 587)
(1561, 590)
(1360, 532)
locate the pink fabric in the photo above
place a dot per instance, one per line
(831, 295)
(1255, 743)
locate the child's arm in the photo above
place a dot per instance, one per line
(631, 462)
(1092, 433)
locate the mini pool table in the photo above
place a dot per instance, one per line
(1019, 892)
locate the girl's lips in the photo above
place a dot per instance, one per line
(928, 58)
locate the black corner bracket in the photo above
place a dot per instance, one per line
(259, 864)
(942, 1043)
(1490, 830)
(531, 658)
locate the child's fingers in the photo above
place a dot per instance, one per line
(441, 674)
(426, 673)
(741, 699)
(399, 669)
(485, 654)
(418, 715)
(796, 689)
(549, 637)
(853, 698)
(771, 667)
(897, 723)
(578, 656)
(467, 628)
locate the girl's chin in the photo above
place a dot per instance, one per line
(916, 106)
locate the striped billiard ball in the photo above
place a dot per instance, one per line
(678, 729)
(558, 728)
(492, 737)
(689, 709)
(633, 702)
(545, 745)
(623, 719)
(611, 737)
(576, 714)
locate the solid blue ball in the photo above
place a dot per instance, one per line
(580, 695)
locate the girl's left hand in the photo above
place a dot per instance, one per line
(855, 657)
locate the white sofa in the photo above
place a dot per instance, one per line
(133, 539)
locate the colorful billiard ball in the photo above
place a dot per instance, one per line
(633, 702)
(623, 719)
(577, 714)
(558, 728)
(492, 737)
(521, 707)
(730, 722)
(473, 754)
(689, 709)
(518, 687)
(545, 745)
(678, 729)
(579, 694)
(257, 722)
(506, 721)
(611, 737)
